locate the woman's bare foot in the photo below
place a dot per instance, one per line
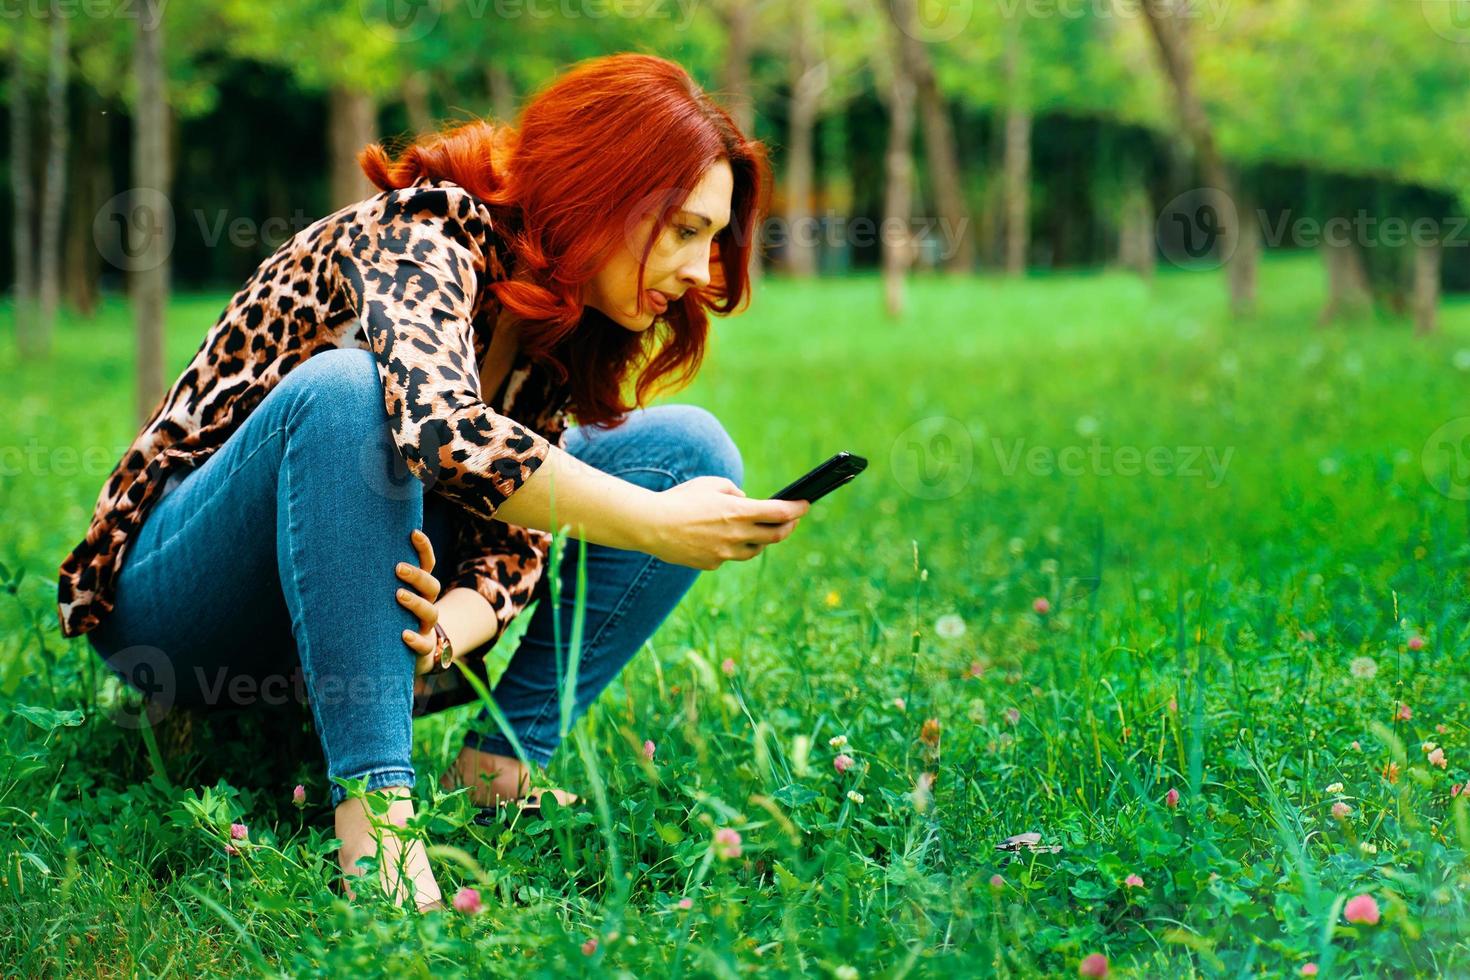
(496, 779)
(399, 864)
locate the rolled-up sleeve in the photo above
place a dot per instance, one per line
(411, 275)
(505, 562)
(502, 562)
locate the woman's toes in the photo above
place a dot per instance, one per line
(561, 796)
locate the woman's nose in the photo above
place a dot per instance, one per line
(695, 275)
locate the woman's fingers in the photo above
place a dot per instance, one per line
(419, 643)
(424, 547)
(426, 584)
(765, 534)
(420, 599)
(775, 511)
(425, 610)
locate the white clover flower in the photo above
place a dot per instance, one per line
(950, 626)
(1363, 668)
(837, 741)
(923, 793)
(1334, 788)
(855, 796)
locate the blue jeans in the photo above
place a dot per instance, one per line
(271, 567)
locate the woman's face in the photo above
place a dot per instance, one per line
(678, 262)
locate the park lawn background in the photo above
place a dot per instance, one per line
(1198, 636)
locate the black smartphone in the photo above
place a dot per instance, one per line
(825, 478)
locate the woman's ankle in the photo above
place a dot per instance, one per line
(492, 779)
(404, 862)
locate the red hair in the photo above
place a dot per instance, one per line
(596, 149)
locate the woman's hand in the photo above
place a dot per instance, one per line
(708, 520)
(419, 599)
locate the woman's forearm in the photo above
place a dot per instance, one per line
(595, 506)
(599, 508)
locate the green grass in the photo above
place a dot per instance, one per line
(1201, 628)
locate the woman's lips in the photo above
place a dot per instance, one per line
(656, 301)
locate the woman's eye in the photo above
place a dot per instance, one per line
(691, 233)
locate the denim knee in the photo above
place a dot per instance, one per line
(340, 382)
(336, 398)
(706, 448)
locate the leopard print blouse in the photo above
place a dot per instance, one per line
(403, 274)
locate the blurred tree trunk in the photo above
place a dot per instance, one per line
(91, 183)
(939, 144)
(352, 124)
(898, 250)
(1348, 291)
(1136, 248)
(1017, 190)
(53, 203)
(416, 102)
(23, 193)
(990, 228)
(1017, 166)
(1178, 61)
(1428, 260)
(738, 18)
(739, 23)
(150, 173)
(502, 91)
(1245, 262)
(808, 81)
